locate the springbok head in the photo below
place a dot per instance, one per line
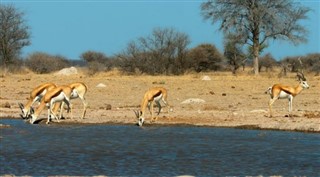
(302, 80)
(32, 116)
(25, 112)
(139, 117)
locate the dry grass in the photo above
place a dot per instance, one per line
(229, 100)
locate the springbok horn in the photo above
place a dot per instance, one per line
(22, 116)
(31, 110)
(136, 113)
(21, 105)
(301, 76)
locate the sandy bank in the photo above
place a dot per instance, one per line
(228, 101)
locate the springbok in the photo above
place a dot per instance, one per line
(58, 94)
(155, 94)
(35, 96)
(79, 90)
(279, 91)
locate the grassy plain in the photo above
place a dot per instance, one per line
(230, 101)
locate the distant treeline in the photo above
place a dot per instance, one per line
(200, 59)
(165, 51)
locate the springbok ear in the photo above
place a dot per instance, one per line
(21, 105)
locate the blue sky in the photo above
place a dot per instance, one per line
(71, 27)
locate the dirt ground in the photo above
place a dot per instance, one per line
(229, 101)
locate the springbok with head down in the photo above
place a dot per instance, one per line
(79, 90)
(279, 91)
(58, 94)
(35, 96)
(156, 95)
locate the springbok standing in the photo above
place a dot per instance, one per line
(79, 90)
(279, 91)
(58, 94)
(155, 94)
(35, 95)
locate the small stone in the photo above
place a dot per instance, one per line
(108, 106)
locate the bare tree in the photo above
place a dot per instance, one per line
(267, 61)
(312, 62)
(233, 52)
(133, 59)
(42, 63)
(96, 61)
(93, 56)
(293, 63)
(257, 21)
(162, 52)
(14, 34)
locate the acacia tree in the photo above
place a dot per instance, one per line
(14, 33)
(257, 21)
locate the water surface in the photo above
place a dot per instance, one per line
(115, 150)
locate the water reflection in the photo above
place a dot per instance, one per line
(116, 150)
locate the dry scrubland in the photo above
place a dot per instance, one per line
(230, 101)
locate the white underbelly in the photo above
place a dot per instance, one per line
(158, 98)
(283, 95)
(58, 98)
(42, 93)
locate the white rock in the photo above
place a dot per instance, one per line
(67, 71)
(206, 78)
(259, 111)
(101, 85)
(193, 101)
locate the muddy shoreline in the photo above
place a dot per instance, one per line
(309, 129)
